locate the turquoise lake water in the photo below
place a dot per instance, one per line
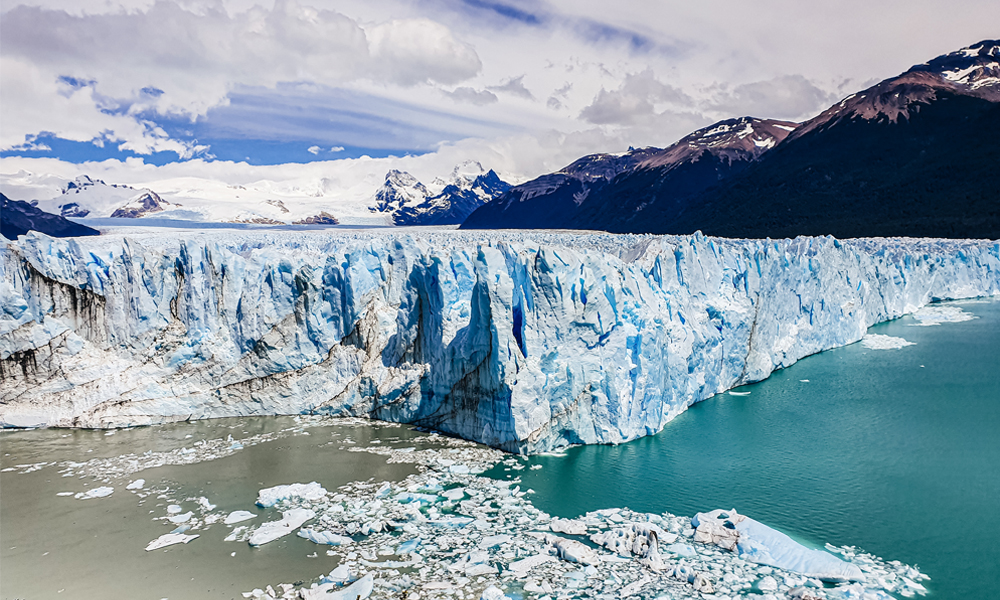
(894, 451)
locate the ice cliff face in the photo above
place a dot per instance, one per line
(522, 341)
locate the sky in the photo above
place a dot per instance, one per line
(523, 87)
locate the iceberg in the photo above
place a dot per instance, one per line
(325, 537)
(272, 530)
(98, 492)
(758, 543)
(238, 516)
(524, 341)
(169, 539)
(311, 492)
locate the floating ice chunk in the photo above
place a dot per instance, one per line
(761, 544)
(936, 314)
(180, 529)
(234, 534)
(173, 509)
(452, 522)
(136, 485)
(359, 590)
(65, 494)
(408, 546)
(568, 526)
(306, 491)
(874, 341)
(492, 593)
(494, 541)
(383, 491)
(181, 518)
(272, 530)
(521, 567)
(238, 516)
(339, 575)
(100, 492)
(205, 504)
(680, 549)
(407, 497)
(454, 494)
(732, 393)
(767, 584)
(325, 537)
(169, 539)
(574, 551)
(459, 469)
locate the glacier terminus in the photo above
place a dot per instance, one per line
(525, 341)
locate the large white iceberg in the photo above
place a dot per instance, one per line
(272, 530)
(523, 341)
(761, 544)
(303, 491)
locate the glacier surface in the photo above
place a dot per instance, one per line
(526, 341)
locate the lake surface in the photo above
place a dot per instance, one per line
(895, 451)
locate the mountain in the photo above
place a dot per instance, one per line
(616, 192)
(85, 197)
(18, 217)
(407, 201)
(914, 155)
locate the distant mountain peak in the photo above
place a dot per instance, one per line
(976, 66)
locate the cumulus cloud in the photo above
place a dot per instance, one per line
(790, 97)
(640, 98)
(313, 149)
(168, 59)
(472, 96)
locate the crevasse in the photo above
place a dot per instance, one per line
(523, 341)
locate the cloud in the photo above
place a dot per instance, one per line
(168, 59)
(790, 97)
(313, 149)
(337, 149)
(639, 99)
(513, 86)
(472, 96)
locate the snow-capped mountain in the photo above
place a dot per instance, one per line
(18, 217)
(351, 198)
(914, 155)
(407, 201)
(585, 194)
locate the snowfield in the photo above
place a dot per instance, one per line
(525, 341)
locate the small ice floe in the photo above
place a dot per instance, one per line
(184, 518)
(325, 537)
(205, 504)
(574, 551)
(272, 530)
(341, 574)
(136, 485)
(874, 341)
(312, 492)
(65, 494)
(100, 492)
(803, 381)
(359, 590)
(936, 314)
(732, 393)
(238, 516)
(453, 494)
(520, 568)
(169, 539)
(173, 509)
(568, 526)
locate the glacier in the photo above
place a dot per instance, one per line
(525, 341)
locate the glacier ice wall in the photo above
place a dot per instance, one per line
(523, 341)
